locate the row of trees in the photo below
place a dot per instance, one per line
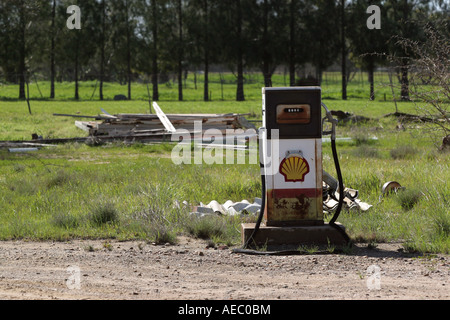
(123, 40)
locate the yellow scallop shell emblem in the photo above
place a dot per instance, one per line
(294, 168)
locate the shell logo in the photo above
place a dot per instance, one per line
(294, 168)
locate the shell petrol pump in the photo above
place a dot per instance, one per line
(291, 171)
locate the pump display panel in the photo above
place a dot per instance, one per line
(293, 113)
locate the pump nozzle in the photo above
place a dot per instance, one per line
(333, 121)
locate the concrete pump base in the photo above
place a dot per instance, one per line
(294, 235)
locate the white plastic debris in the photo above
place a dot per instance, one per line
(231, 208)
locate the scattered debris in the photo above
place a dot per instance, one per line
(150, 124)
(23, 146)
(244, 207)
(155, 127)
(331, 196)
(351, 201)
(391, 187)
(348, 117)
(409, 117)
(22, 149)
(445, 143)
(231, 208)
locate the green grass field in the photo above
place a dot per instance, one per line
(128, 192)
(222, 87)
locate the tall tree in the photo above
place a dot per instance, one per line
(103, 41)
(24, 16)
(52, 50)
(180, 49)
(206, 49)
(232, 40)
(76, 47)
(293, 14)
(368, 47)
(269, 31)
(240, 95)
(202, 28)
(404, 22)
(123, 39)
(128, 40)
(22, 28)
(343, 51)
(323, 35)
(154, 28)
(5, 40)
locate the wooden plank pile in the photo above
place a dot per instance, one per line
(156, 127)
(150, 124)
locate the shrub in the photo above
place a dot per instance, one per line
(67, 221)
(62, 177)
(441, 222)
(362, 138)
(408, 198)
(403, 152)
(206, 227)
(102, 213)
(152, 223)
(364, 151)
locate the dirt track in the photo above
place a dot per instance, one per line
(189, 270)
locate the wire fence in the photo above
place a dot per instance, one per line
(221, 86)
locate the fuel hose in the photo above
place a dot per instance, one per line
(339, 176)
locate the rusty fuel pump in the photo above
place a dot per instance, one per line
(292, 174)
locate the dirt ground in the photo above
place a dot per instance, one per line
(113, 270)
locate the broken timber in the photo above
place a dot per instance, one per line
(133, 124)
(155, 127)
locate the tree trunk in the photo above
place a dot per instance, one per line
(319, 75)
(128, 52)
(102, 50)
(206, 80)
(22, 52)
(343, 53)
(370, 70)
(180, 51)
(155, 53)
(293, 14)
(266, 56)
(404, 80)
(52, 53)
(206, 52)
(76, 72)
(240, 64)
(195, 79)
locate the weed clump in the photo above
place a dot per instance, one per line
(152, 224)
(61, 178)
(103, 213)
(403, 152)
(66, 221)
(408, 198)
(206, 227)
(364, 151)
(362, 138)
